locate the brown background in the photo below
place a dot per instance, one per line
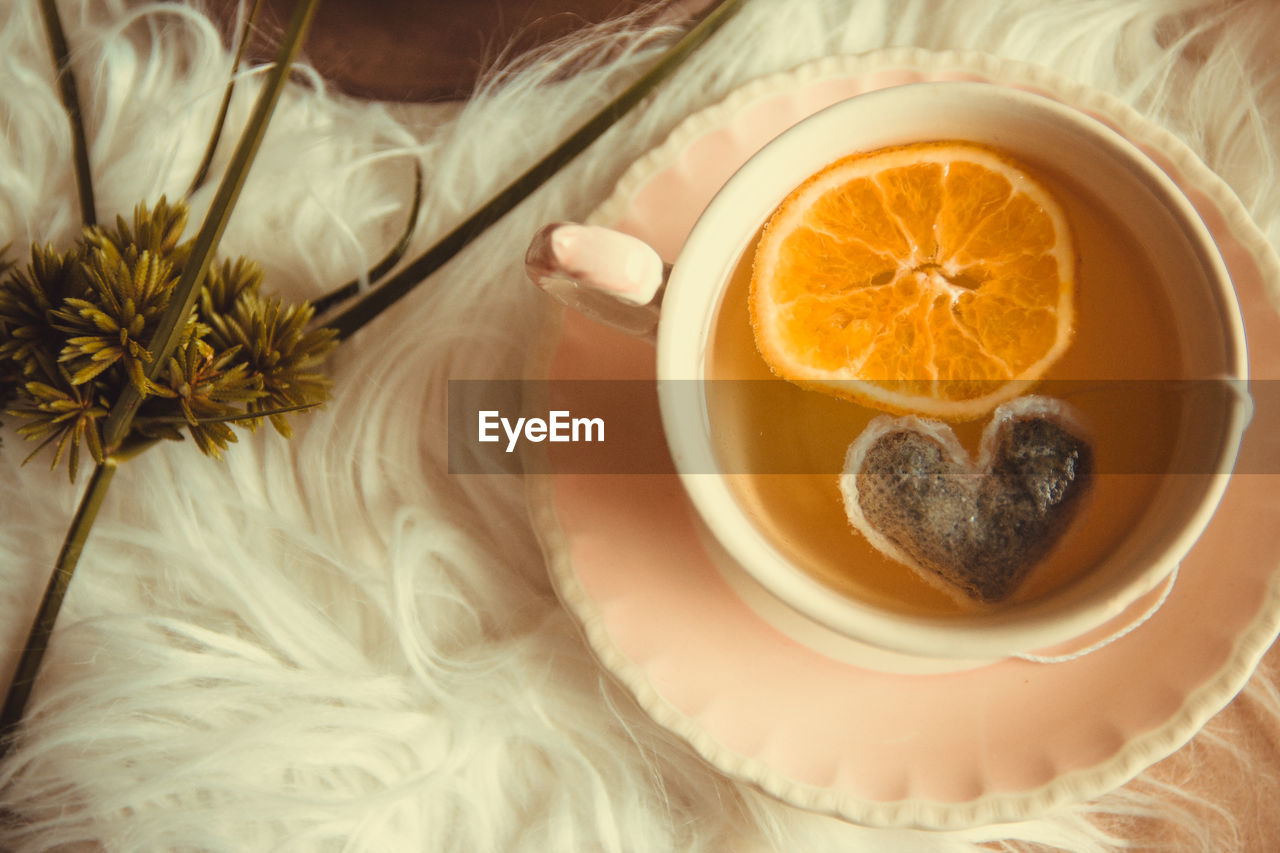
(429, 50)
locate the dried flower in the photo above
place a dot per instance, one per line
(75, 328)
(158, 231)
(128, 291)
(28, 297)
(63, 414)
(113, 331)
(273, 339)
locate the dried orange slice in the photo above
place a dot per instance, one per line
(935, 278)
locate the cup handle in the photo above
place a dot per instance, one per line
(609, 276)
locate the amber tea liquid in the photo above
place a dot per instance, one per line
(1125, 334)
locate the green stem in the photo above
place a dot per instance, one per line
(202, 172)
(389, 260)
(172, 322)
(71, 103)
(255, 415)
(167, 336)
(15, 702)
(387, 294)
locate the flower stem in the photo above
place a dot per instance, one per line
(389, 260)
(169, 328)
(202, 171)
(71, 103)
(377, 300)
(15, 702)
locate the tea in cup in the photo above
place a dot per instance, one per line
(1126, 341)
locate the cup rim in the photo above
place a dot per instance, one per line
(745, 201)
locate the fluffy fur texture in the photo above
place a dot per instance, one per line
(332, 644)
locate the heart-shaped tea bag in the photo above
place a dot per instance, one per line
(973, 528)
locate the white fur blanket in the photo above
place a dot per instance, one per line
(332, 644)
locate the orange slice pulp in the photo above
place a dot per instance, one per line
(935, 278)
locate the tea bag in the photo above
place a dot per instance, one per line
(973, 528)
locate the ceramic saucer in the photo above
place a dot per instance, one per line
(1001, 743)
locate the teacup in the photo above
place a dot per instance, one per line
(619, 280)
